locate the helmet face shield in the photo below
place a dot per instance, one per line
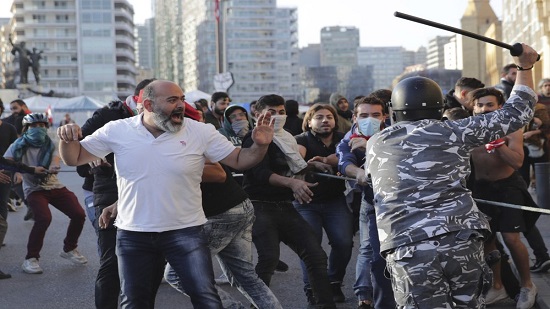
(417, 98)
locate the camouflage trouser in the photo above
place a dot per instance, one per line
(446, 271)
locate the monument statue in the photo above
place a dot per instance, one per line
(24, 60)
(35, 62)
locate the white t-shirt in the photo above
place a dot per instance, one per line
(158, 178)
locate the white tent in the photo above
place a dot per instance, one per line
(80, 108)
(63, 104)
(195, 95)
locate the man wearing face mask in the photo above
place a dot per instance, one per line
(272, 185)
(215, 116)
(36, 148)
(236, 124)
(369, 115)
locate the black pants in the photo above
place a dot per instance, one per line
(279, 221)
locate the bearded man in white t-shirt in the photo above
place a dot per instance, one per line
(159, 207)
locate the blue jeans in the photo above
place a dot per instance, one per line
(90, 211)
(363, 280)
(380, 286)
(335, 217)
(185, 249)
(230, 239)
(279, 221)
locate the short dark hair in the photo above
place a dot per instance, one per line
(484, 92)
(142, 85)
(201, 103)
(219, 95)
(291, 107)
(382, 94)
(455, 113)
(19, 102)
(385, 96)
(469, 82)
(372, 100)
(2, 107)
(269, 100)
(506, 68)
(315, 108)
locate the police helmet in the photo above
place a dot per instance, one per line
(416, 98)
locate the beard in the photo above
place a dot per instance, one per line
(218, 111)
(323, 134)
(164, 122)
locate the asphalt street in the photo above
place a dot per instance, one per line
(64, 285)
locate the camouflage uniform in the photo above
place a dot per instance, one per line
(418, 172)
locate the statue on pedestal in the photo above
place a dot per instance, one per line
(24, 60)
(35, 62)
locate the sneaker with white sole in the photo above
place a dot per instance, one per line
(30, 266)
(494, 295)
(540, 266)
(527, 297)
(74, 256)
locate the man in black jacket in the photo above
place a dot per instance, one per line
(107, 286)
(457, 97)
(272, 186)
(507, 80)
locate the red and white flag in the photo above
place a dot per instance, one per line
(49, 115)
(217, 10)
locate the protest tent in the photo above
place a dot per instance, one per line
(80, 108)
(195, 95)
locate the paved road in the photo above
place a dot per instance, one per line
(67, 286)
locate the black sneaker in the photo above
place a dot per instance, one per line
(4, 275)
(281, 267)
(540, 266)
(29, 215)
(337, 294)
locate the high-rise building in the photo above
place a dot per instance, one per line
(258, 41)
(478, 18)
(145, 50)
(531, 26)
(88, 45)
(168, 38)
(436, 52)
(386, 62)
(339, 46)
(6, 64)
(452, 53)
(310, 56)
(146, 44)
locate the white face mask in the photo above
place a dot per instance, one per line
(278, 122)
(240, 127)
(368, 126)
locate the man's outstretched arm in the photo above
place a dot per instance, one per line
(70, 149)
